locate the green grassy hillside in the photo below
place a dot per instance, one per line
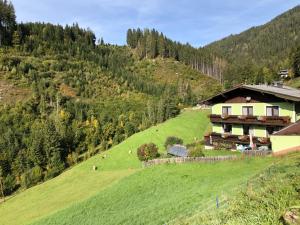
(159, 194)
(81, 182)
(270, 198)
(121, 192)
(294, 82)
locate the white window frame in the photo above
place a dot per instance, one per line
(248, 106)
(227, 106)
(266, 112)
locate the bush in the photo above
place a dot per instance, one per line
(170, 141)
(9, 184)
(196, 151)
(147, 152)
(31, 177)
(52, 172)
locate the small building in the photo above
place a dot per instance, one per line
(284, 73)
(253, 113)
(178, 150)
(287, 139)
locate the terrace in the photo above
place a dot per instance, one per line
(251, 120)
(231, 139)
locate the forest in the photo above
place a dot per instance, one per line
(259, 53)
(151, 44)
(65, 96)
(77, 96)
(254, 56)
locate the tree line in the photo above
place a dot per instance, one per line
(259, 53)
(151, 44)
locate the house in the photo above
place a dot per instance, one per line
(254, 112)
(283, 74)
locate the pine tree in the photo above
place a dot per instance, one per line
(296, 63)
(141, 50)
(16, 39)
(7, 22)
(161, 110)
(130, 38)
(1, 184)
(51, 145)
(102, 41)
(37, 153)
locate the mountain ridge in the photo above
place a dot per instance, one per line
(269, 46)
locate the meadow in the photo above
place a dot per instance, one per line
(272, 197)
(81, 182)
(159, 194)
(120, 191)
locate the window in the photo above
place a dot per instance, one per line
(226, 110)
(272, 110)
(227, 128)
(247, 130)
(247, 110)
(272, 130)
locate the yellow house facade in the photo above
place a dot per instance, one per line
(258, 111)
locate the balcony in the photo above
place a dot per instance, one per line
(216, 138)
(251, 120)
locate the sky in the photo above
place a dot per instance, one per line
(198, 22)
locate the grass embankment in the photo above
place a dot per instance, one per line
(81, 182)
(295, 83)
(159, 194)
(273, 197)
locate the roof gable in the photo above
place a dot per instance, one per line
(293, 129)
(257, 93)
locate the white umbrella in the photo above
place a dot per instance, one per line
(251, 141)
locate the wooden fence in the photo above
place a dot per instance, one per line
(209, 159)
(257, 153)
(179, 160)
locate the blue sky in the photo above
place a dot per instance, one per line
(198, 22)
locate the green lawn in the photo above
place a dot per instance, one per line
(81, 182)
(160, 194)
(264, 200)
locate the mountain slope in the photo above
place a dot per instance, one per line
(160, 194)
(270, 198)
(266, 45)
(61, 96)
(81, 182)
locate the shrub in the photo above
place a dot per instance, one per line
(9, 184)
(72, 158)
(173, 141)
(31, 177)
(147, 151)
(52, 172)
(196, 151)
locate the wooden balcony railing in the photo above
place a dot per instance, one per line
(213, 138)
(255, 120)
